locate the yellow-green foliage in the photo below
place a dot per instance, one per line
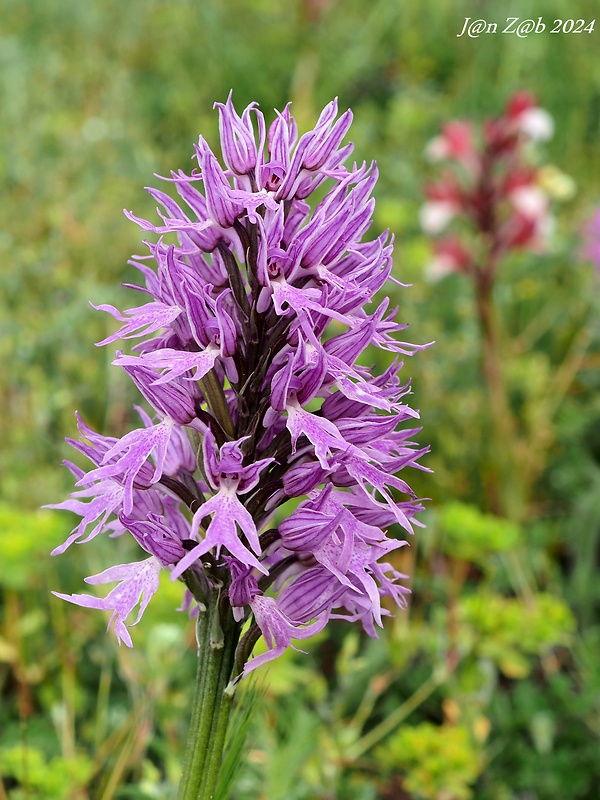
(26, 539)
(511, 631)
(44, 778)
(470, 535)
(437, 762)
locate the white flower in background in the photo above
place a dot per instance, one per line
(435, 215)
(537, 124)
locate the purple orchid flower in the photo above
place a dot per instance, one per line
(248, 352)
(138, 582)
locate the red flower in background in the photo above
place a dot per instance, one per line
(491, 186)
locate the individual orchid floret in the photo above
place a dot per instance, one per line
(243, 587)
(138, 582)
(126, 460)
(229, 479)
(139, 321)
(322, 143)
(222, 209)
(263, 474)
(105, 499)
(240, 152)
(156, 537)
(278, 630)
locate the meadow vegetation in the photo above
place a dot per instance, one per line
(489, 687)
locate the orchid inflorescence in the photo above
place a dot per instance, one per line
(249, 359)
(492, 186)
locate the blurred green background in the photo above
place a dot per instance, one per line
(489, 687)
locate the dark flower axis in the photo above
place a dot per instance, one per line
(250, 342)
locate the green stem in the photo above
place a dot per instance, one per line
(507, 487)
(211, 705)
(194, 755)
(225, 692)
